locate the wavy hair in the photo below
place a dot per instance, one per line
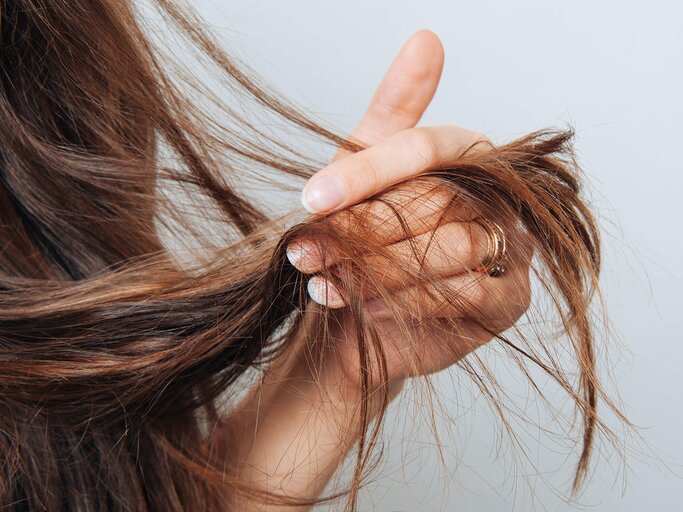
(139, 282)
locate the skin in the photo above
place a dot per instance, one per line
(292, 433)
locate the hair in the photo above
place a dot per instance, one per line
(117, 348)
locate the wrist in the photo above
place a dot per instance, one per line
(329, 383)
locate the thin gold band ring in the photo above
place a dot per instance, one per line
(496, 249)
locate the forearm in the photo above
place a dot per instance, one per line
(293, 432)
(298, 441)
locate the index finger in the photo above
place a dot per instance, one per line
(404, 93)
(405, 154)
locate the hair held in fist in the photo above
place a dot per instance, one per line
(139, 282)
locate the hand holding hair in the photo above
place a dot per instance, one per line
(452, 250)
(140, 286)
(419, 199)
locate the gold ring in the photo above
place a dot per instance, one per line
(496, 249)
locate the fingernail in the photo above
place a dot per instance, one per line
(323, 193)
(295, 253)
(300, 254)
(324, 292)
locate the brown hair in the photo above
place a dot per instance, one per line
(115, 350)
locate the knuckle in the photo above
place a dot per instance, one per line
(480, 295)
(462, 245)
(473, 294)
(480, 138)
(467, 135)
(423, 141)
(440, 196)
(372, 176)
(477, 141)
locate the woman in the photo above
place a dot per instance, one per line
(140, 284)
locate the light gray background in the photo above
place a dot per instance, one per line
(612, 69)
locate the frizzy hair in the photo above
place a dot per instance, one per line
(115, 351)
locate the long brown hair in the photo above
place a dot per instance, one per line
(139, 282)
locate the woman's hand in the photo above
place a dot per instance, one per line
(291, 434)
(451, 250)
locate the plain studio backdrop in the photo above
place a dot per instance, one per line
(614, 71)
